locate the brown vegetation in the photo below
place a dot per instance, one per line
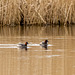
(37, 11)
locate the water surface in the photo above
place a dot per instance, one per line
(58, 59)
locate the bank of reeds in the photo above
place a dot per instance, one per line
(13, 12)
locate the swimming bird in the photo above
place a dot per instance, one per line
(44, 44)
(23, 46)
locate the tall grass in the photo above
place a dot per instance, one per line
(13, 12)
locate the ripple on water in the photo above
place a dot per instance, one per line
(15, 45)
(40, 50)
(47, 56)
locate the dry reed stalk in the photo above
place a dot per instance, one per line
(37, 11)
(68, 13)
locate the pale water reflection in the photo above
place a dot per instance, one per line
(58, 59)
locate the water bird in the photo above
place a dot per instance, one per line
(23, 46)
(44, 44)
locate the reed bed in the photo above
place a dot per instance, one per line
(24, 12)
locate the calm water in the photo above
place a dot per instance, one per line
(58, 59)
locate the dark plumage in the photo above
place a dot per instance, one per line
(44, 44)
(22, 46)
